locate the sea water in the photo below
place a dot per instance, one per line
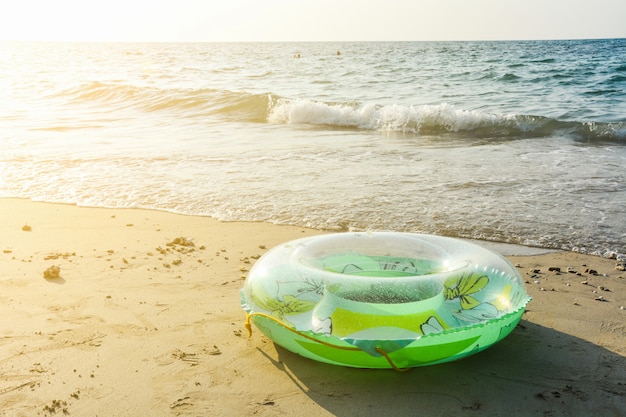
(517, 142)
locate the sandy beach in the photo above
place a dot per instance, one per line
(136, 313)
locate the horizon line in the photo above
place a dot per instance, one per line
(314, 41)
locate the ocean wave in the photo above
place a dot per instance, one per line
(437, 119)
(509, 77)
(188, 102)
(440, 119)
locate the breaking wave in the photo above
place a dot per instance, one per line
(438, 119)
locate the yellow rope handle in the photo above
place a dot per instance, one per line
(393, 365)
(291, 329)
(248, 326)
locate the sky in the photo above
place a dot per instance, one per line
(310, 20)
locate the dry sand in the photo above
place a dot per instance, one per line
(142, 318)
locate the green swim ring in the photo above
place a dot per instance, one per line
(383, 299)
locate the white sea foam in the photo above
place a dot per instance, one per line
(396, 118)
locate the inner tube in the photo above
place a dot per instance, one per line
(383, 299)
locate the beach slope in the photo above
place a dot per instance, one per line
(132, 312)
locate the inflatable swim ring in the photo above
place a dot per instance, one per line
(382, 299)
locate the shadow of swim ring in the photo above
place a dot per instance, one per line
(383, 299)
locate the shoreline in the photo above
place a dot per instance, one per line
(143, 318)
(502, 248)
